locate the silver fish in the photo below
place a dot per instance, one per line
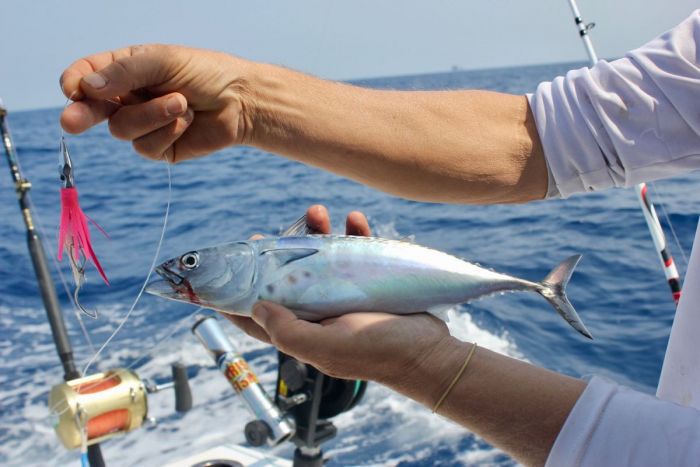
(320, 276)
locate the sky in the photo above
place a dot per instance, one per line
(327, 38)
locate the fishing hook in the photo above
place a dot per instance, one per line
(79, 278)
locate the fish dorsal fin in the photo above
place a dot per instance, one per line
(299, 229)
(285, 256)
(408, 239)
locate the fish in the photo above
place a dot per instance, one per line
(324, 276)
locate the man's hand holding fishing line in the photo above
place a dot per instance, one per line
(454, 146)
(150, 95)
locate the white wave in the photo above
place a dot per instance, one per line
(464, 328)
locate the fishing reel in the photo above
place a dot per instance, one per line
(304, 398)
(94, 408)
(312, 398)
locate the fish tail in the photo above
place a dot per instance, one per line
(553, 288)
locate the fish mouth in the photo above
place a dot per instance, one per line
(161, 288)
(173, 286)
(166, 285)
(169, 275)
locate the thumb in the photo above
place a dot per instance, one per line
(296, 337)
(131, 69)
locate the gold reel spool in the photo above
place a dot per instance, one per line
(101, 405)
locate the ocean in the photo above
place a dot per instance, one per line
(619, 288)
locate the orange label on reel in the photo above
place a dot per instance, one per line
(240, 375)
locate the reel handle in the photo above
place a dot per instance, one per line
(180, 384)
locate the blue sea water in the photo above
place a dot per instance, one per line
(619, 288)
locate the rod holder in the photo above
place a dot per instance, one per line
(270, 425)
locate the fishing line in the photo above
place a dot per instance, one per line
(153, 263)
(176, 327)
(148, 276)
(142, 289)
(670, 225)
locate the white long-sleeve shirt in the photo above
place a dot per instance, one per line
(617, 124)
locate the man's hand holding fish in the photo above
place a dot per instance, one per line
(416, 356)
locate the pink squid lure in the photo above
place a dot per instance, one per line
(74, 231)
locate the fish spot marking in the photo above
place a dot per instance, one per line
(292, 279)
(270, 288)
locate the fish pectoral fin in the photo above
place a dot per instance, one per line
(440, 311)
(299, 229)
(285, 256)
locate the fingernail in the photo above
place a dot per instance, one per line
(174, 106)
(95, 80)
(260, 314)
(189, 115)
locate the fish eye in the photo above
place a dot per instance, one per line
(190, 260)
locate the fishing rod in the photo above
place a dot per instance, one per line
(647, 206)
(41, 269)
(88, 409)
(38, 255)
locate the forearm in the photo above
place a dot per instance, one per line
(515, 406)
(451, 146)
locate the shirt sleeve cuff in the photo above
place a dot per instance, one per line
(552, 189)
(574, 437)
(616, 425)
